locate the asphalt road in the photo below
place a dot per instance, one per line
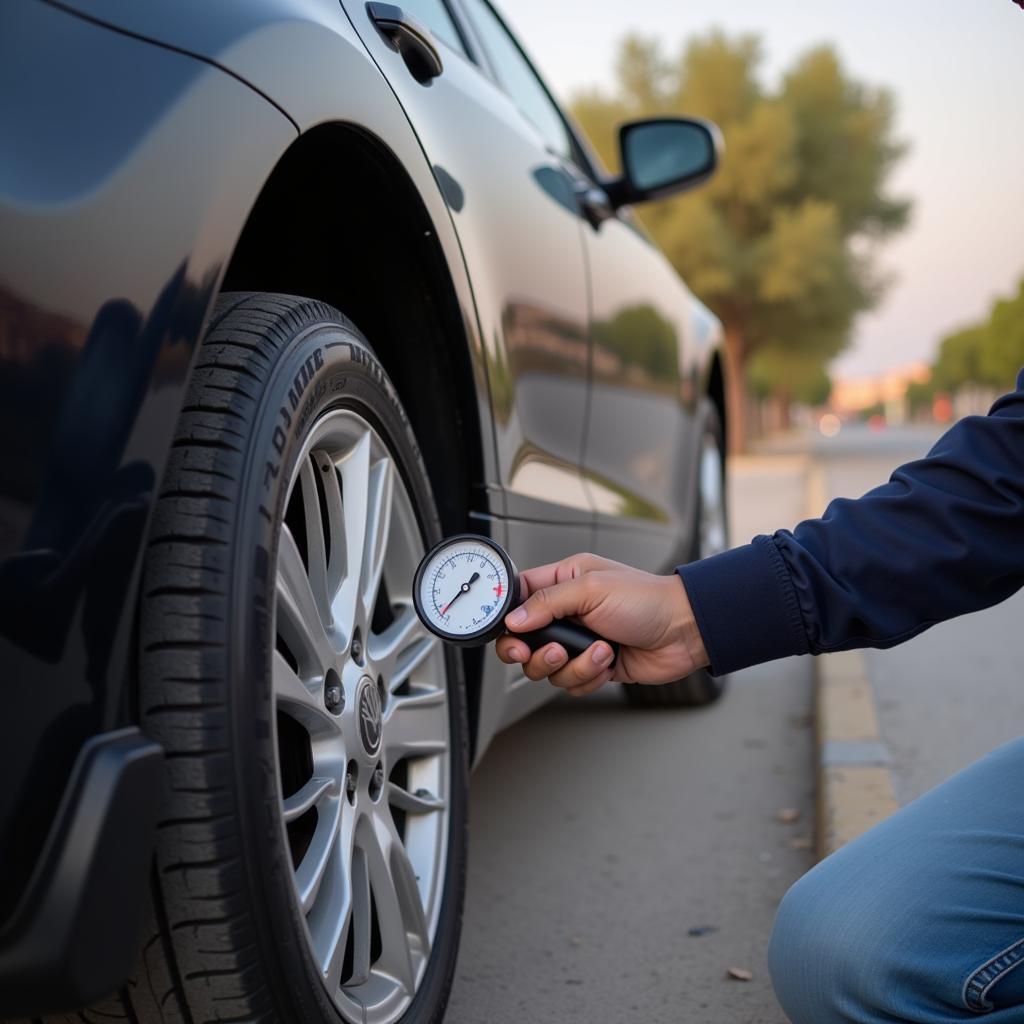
(623, 860)
(954, 692)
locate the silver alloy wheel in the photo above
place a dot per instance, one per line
(713, 530)
(362, 723)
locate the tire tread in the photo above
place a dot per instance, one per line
(199, 949)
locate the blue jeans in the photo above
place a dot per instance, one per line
(919, 920)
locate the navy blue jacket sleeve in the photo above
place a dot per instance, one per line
(943, 537)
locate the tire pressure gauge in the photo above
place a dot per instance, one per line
(467, 584)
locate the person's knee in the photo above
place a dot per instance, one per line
(819, 968)
(797, 941)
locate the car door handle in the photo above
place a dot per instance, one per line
(407, 37)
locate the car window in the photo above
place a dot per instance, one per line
(434, 14)
(519, 79)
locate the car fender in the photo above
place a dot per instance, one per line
(305, 57)
(106, 274)
(331, 79)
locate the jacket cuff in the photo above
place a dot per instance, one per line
(745, 606)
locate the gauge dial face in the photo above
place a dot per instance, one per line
(463, 588)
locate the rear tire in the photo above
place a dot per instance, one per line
(710, 536)
(297, 785)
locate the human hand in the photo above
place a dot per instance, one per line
(648, 615)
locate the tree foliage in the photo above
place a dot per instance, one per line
(990, 353)
(780, 242)
(788, 375)
(1003, 354)
(959, 359)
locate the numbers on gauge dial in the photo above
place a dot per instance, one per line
(464, 589)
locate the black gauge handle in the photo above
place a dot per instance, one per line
(571, 635)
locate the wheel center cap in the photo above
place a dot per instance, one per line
(368, 703)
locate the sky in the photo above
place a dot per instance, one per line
(956, 68)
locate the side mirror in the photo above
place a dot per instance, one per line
(664, 155)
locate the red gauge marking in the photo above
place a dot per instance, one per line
(498, 591)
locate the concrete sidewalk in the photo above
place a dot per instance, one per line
(766, 492)
(853, 777)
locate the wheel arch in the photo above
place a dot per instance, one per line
(340, 220)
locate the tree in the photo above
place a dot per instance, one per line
(990, 353)
(920, 395)
(789, 377)
(780, 242)
(959, 359)
(1003, 355)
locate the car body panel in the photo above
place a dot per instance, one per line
(645, 365)
(95, 346)
(522, 238)
(514, 193)
(335, 81)
(521, 233)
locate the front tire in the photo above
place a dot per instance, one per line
(710, 536)
(311, 854)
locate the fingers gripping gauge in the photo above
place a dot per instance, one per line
(467, 584)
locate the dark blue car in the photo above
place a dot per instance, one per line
(289, 289)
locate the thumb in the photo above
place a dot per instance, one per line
(554, 602)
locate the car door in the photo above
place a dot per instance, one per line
(639, 453)
(501, 155)
(497, 145)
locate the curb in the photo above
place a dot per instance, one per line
(853, 765)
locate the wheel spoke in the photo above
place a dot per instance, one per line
(337, 561)
(378, 523)
(420, 802)
(403, 926)
(310, 874)
(298, 617)
(332, 911)
(355, 474)
(411, 658)
(416, 725)
(308, 796)
(316, 544)
(402, 647)
(290, 689)
(362, 925)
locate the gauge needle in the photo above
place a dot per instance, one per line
(464, 589)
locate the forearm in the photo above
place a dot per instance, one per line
(943, 537)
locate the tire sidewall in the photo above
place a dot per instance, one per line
(323, 367)
(702, 682)
(710, 426)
